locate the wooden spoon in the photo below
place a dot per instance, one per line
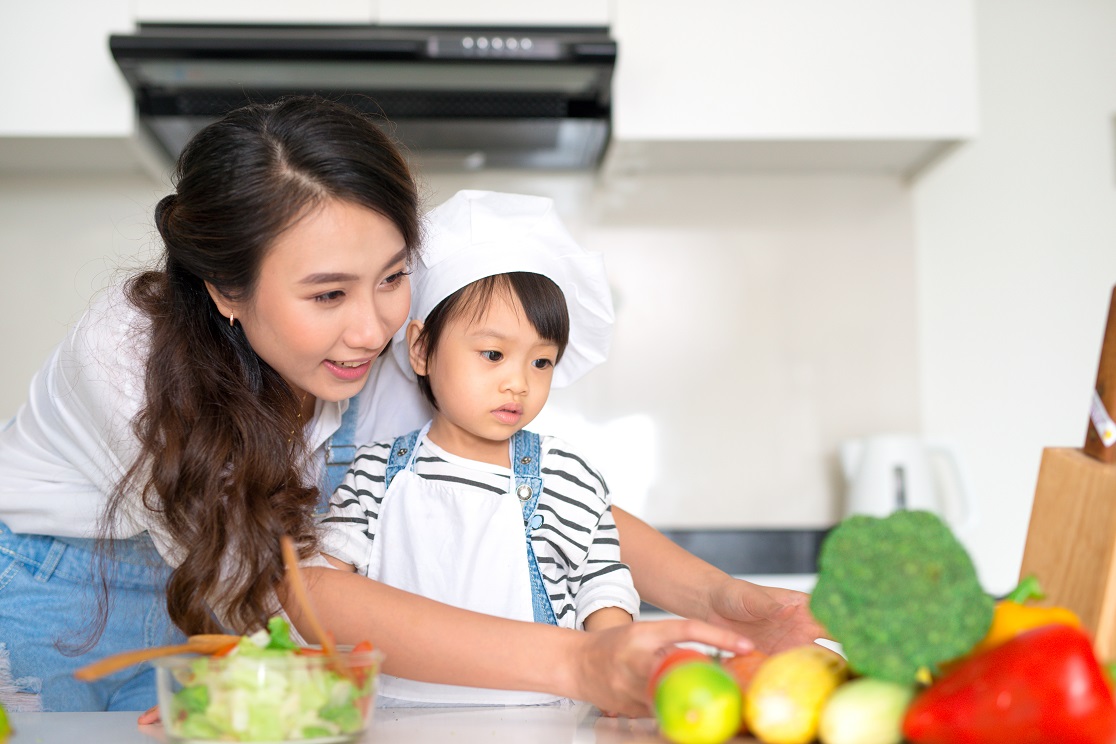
(298, 586)
(209, 643)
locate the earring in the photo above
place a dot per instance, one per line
(230, 319)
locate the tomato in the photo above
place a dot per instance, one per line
(673, 658)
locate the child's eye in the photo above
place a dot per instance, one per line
(542, 363)
(492, 356)
(329, 296)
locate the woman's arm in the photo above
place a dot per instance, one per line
(677, 581)
(425, 640)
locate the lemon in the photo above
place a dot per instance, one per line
(698, 702)
(5, 725)
(783, 704)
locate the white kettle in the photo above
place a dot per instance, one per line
(887, 473)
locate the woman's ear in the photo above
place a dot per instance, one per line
(416, 347)
(224, 306)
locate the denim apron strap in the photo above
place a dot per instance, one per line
(339, 454)
(402, 452)
(528, 486)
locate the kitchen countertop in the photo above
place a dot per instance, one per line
(572, 724)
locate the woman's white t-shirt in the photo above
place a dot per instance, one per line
(72, 442)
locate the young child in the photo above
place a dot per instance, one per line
(472, 509)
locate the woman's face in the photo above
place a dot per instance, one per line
(332, 292)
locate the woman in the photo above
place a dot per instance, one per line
(190, 418)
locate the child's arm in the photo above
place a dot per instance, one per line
(668, 576)
(607, 617)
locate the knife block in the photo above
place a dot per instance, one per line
(1071, 540)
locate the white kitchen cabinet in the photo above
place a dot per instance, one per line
(882, 83)
(878, 85)
(58, 77)
(255, 11)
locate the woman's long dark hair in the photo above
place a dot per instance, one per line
(218, 464)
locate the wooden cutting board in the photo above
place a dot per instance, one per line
(1071, 540)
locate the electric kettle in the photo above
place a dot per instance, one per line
(887, 473)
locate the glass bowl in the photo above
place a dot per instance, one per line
(277, 697)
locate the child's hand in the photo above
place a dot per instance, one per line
(607, 617)
(151, 715)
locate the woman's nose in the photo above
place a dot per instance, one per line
(367, 329)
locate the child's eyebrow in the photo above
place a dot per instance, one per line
(493, 333)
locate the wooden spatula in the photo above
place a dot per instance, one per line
(196, 644)
(1071, 540)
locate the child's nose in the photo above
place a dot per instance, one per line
(516, 382)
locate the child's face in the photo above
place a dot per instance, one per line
(491, 377)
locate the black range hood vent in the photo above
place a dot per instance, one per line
(456, 98)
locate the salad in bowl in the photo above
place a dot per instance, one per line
(266, 688)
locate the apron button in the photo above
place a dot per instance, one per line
(402, 451)
(536, 521)
(525, 460)
(523, 492)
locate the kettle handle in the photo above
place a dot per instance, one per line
(967, 518)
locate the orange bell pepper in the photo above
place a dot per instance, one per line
(1014, 616)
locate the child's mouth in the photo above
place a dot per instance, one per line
(509, 414)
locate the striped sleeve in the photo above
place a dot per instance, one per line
(579, 539)
(348, 530)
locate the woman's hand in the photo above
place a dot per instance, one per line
(613, 666)
(774, 619)
(151, 715)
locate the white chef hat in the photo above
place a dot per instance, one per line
(476, 234)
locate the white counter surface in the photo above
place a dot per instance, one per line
(576, 724)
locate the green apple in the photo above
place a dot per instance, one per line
(698, 702)
(5, 726)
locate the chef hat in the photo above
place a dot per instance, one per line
(476, 234)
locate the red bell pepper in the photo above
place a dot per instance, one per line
(1042, 686)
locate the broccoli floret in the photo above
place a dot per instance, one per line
(899, 594)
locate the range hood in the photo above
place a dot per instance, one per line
(457, 98)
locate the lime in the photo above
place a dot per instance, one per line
(676, 656)
(698, 702)
(5, 725)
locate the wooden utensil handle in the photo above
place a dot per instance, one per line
(1106, 390)
(198, 644)
(125, 659)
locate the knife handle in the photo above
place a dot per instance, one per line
(1104, 404)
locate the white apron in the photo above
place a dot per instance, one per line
(464, 547)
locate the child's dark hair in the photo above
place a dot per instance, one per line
(542, 301)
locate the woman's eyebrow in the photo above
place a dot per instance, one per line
(331, 277)
(327, 278)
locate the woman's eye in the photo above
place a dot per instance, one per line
(542, 363)
(396, 278)
(329, 296)
(492, 356)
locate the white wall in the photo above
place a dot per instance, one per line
(1017, 258)
(760, 321)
